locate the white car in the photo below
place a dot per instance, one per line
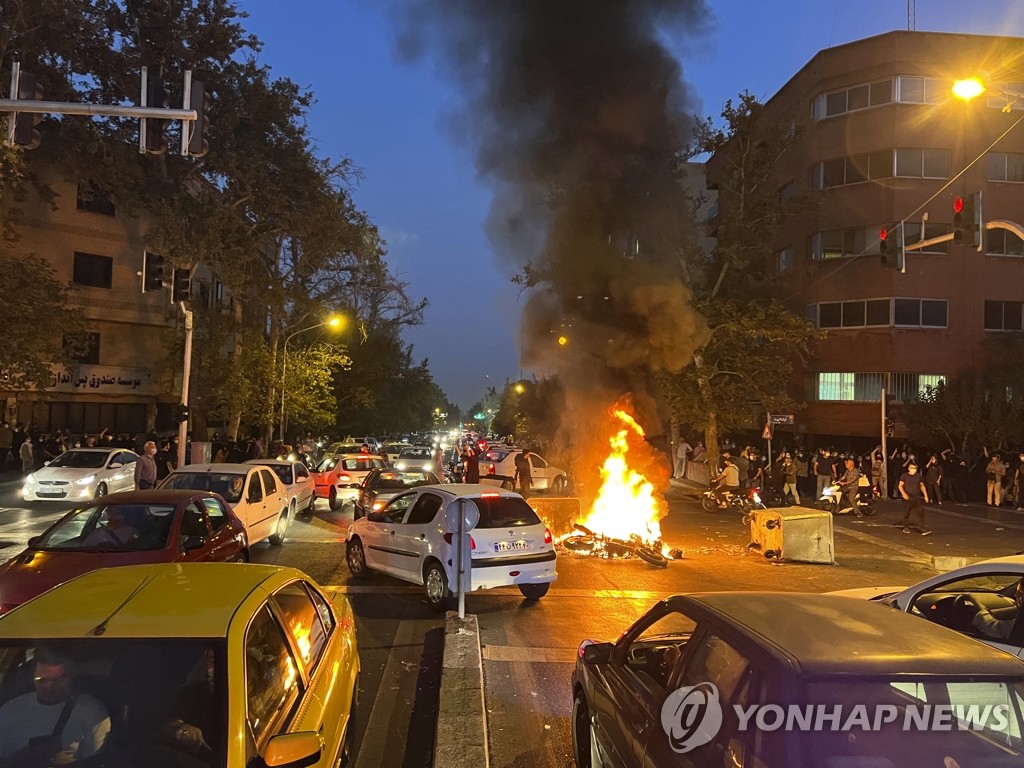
(393, 450)
(255, 494)
(952, 599)
(298, 484)
(409, 539)
(499, 464)
(415, 460)
(82, 474)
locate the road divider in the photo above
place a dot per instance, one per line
(461, 737)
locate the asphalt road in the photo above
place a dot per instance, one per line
(528, 649)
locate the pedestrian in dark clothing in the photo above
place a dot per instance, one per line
(471, 461)
(6, 438)
(163, 461)
(933, 479)
(911, 488)
(523, 472)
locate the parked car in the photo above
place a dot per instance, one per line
(952, 599)
(82, 473)
(793, 653)
(298, 484)
(156, 526)
(382, 485)
(393, 450)
(409, 539)
(416, 459)
(338, 477)
(200, 664)
(500, 464)
(254, 493)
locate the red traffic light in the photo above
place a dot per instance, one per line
(883, 234)
(958, 205)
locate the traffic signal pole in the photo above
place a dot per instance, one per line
(186, 373)
(885, 452)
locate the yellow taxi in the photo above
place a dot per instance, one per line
(203, 664)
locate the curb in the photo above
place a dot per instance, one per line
(948, 563)
(460, 740)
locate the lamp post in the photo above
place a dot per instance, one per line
(333, 322)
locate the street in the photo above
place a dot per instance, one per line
(529, 649)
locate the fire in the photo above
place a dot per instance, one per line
(627, 504)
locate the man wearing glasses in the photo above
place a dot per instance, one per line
(53, 725)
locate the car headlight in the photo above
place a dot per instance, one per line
(30, 478)
(378, 506)
(86, 480)
(400, 465)
(428, 467)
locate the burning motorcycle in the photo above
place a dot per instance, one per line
(742, 501)
(583, 541)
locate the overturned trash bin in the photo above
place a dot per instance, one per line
(799, 534)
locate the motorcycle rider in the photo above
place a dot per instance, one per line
(848, 485)
(727, 482)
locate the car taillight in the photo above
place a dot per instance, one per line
(490, 470)
(344, 479)
(547, 536)
(448, 537)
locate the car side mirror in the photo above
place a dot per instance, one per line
(34, 540)
(46, 463)
(194, 542)
(598, 653)
(116, 465)
(294, 750)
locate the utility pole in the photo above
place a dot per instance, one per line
(186, 373)
(885, 452)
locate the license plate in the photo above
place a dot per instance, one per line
(54, 494)
(510, 546)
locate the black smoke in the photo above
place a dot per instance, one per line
(578, 115)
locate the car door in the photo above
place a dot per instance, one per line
(628, 693)
(224, 546)
(275, 499)
(415, 537)
(539, 472)
(253, 508)
(194, 530)
(303, 485)
(377, 532)
(113, 473)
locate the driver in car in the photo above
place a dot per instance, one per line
(999, 623)
(114, 532)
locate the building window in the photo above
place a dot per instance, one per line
(922, 163)
(920, 313)
(1003, 166)
(852, 99)
(92, 270)
(920, 90)
(1006, 96)
(835, 386)
(853, 169)
(91, 355)
(875, 313)
(784, 261)
(1003, 242)
(93, 199)
(912, 234)
(1004, 316)
(867, 387)
(839, 243)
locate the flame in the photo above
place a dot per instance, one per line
(627, 503)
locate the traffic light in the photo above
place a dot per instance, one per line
(200, 101)
(967, 221)
(182, 412)
(181, 285)
(156, 129)
(152, 272)
(890, 246)
(25, 133)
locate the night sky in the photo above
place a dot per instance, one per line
(394, 117)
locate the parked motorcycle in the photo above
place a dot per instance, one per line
(835, 501)
(743, 501)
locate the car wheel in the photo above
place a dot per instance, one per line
(436, 582)
(292, 506)
(332, 500)
(581, 740)
(508, 485)
(243, 556)
(101, 490)
(312, 504)
(356, 558)
(559, 486)
(277, 537)
(349, 745)
(534, 591)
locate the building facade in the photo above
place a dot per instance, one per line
(886, 142)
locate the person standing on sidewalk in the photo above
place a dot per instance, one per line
(145, 468)
(933, 478)
(789, 479)
(822, 472)
(995, 472)
(682, 456)
(27, 455)
(911, 488)
(524, 473)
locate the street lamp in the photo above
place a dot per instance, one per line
(332, 322)
(968, 89)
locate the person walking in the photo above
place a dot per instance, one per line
(911, 488)
(933, 479)
(822, 472)
(524, 473)
(145, 467)
(789, 479)
(27, 455)
(995, 472)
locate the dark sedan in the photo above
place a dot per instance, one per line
(135, 528)
(382, 485)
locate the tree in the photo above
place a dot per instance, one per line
(745, 365)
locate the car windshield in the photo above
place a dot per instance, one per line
(111, 528)
(81, 459)
(984, 726)
(504, 512)
(357, 464)
(146, 702)
(397, 480)
(328, 464)
(415, 453)
(227, 484)
(494, 455)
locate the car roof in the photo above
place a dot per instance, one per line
(271, 462)
(152, 496)
(468, 490)
(133, 601)
(831, 635)
(98, 449)
(223, 467)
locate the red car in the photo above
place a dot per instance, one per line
(134, 528)
(338, 477)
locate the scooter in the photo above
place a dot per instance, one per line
(834, 500)
(742, 502)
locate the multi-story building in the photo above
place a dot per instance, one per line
(887, 142)
(129, 381)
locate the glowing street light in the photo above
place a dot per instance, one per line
(563, 340)
(334, 321)
(520, 388)
(968, 89)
